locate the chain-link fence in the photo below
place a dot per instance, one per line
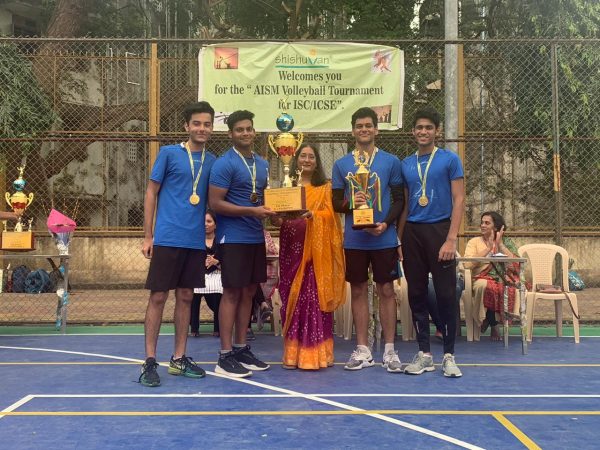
(86, 117)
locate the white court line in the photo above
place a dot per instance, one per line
(384, 418)
(201, 395)
(16, 405)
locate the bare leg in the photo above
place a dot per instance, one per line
(244, 310)
(183, 308)
(360, 311)
(227, 315)
(154, 312)
(495, 333)
(387, 311)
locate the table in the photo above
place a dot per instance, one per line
(520, 286)
(63, 300)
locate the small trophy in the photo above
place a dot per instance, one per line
(288, 198)
(61, 228)
(363, 180)
(18, 240)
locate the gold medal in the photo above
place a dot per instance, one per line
(423, 200)
(194, 199)
(254, 197)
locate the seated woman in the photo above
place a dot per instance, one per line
(489, 278)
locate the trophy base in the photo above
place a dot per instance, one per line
(17, 241)
(363, 218)
(286, 200)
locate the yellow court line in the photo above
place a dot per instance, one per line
(84, 363)
(516, 432)
(297, 413)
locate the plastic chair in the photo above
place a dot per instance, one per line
(542, 262)
(473, 330)
(404, 312)
(276, 301)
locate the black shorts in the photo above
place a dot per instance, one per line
(175, 267)
(384, 264)
(243, 264)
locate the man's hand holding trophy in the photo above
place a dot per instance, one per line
(364, 191)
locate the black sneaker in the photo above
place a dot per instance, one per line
(185, 366)
(247, 359)
(149, 376)
(228, 365)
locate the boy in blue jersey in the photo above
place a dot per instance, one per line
(372, 246)
(237, 183)
(428, 229)
(175, 244)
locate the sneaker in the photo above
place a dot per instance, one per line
(149, 376)
(420, 363)
(247, 359)
(185, 366)
(391, 362)
(359, 359)
(449, 367)
(228, 365)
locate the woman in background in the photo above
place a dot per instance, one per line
(489, 278)
(212, 289)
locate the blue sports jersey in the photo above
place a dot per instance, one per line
(178, 222)
(444, 168)
(388, 169)
(229, 172)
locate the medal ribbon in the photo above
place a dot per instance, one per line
(421, 177)
(197, 177)
(251, 172)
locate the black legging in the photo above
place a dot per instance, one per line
(421, 244)
(213, 301)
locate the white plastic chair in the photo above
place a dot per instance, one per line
(473, 330)
(542, 262)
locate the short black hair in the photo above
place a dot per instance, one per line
(496, 218)
(238, 116)
(318, 177)
(212, 214)
(362, 113)
(430, 113)
(198, 107)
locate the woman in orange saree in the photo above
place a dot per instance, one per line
(311, 264)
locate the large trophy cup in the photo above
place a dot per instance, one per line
(18, 240)
(366, 181)
(288, 198)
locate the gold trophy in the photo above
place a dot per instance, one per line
(18, 240)
(363, 180)
(288, 198)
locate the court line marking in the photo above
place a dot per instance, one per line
(327, 412)
(384, 418)
(516, 432)
(299, 395)
(15, 405)
(83, 363)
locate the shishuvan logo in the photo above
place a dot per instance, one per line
(312, 61)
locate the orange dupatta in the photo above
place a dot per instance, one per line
(323, 244)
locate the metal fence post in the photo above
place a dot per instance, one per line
(556, 146)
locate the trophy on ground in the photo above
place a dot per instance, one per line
(363, 180)
(19, 239)
(61, 228)
(288, 198)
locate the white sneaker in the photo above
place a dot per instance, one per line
(449, 367)
(420, 363)
(358, 359)
(391, 362)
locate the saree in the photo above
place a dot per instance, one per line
(311, 285)
(497, 275)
